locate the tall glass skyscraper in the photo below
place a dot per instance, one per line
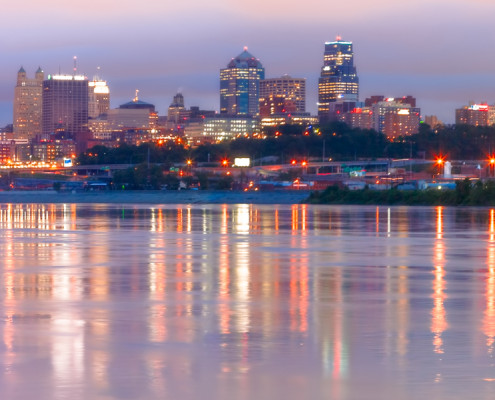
(338, 79)
(240, 85)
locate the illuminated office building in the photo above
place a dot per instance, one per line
(338, 79)
(65, 104)
(175, 109)
(474, 114)
(28, 105)
(240, 85)
(395, 117)
(99, 98)
(292, 90)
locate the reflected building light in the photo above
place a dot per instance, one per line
(389, 223)
(224, 310)
(488, 327)
(304, 217)
(188, 219)
(225, 220)
(439, 315)
(377, 219)
(157, 323)
(67, 352)
(439, 222)
(295, 218)
(276, 221)
(242, 282)
(153, 220)
(160, 219)
(179, 220)
(242, 220)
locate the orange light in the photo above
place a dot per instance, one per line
(225, 162)
(492, 161)
(189, 162)
(293, 162)
(304, 163)
(440, 161)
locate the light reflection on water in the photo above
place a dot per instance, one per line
(247, 302)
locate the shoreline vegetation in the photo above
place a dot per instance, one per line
(465, 194)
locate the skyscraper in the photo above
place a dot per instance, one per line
(65, 104)
(175, 108)
(291, 89)
(240, 85)
(99, 98)
(338, 79)
(28, 105)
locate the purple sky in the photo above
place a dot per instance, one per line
(440, 51)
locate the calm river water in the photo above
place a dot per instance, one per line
(246, 302)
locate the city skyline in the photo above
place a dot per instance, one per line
(399, 49)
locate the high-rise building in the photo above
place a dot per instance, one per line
(99, 98)
(395, 117)
(240, 85)
(65, 104)
(176, 108)
(474, 114)
(28, 105)
(292, 90)
(338, 79)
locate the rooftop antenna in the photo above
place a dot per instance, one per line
(136, 98)
(75, 65)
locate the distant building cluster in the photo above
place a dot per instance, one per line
(57, 116)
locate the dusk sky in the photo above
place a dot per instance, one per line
(439, 51)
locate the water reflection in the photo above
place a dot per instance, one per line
(169, 301)
(489, 315)
(439, 315)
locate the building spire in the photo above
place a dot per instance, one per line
(136, 97)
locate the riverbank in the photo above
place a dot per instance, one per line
(157, 197)
(465, 194)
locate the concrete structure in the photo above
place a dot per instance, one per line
(134, 114)
(338, 79)
(292, 90)
(28, 105)
(240, 85)
(65, 104)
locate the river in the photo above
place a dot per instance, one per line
(247, 302)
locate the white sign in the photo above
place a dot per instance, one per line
(242, 162)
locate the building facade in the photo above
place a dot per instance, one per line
(338, 79)
(175, 109)
(65, 104)
(99, 98)
(474, 114)
(292, 90)
(28, 105)
(396, 117)
(240, 85)
(216, 129)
